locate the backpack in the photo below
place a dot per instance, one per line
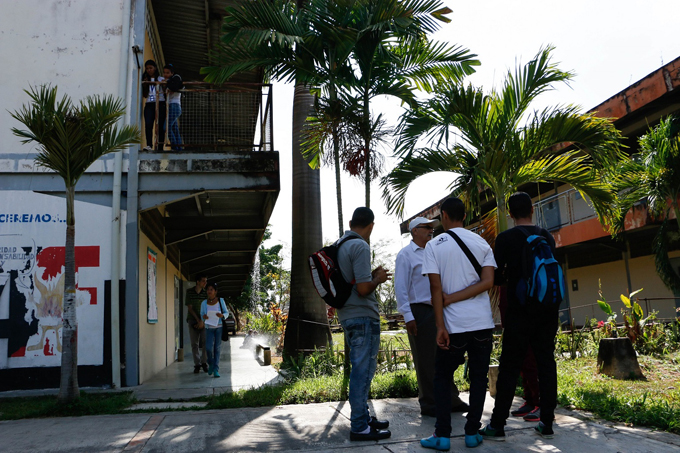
(175, 83)
(542, 284)
(327, 277)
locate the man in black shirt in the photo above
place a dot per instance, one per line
(523, 326)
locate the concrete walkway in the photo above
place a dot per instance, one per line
(311, 427)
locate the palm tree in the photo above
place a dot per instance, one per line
(71, 138)
(481, 138)
(654, 174)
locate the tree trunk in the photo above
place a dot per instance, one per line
(68, 388)
(368, 173)
(501, 213)
(307, 325)
(338, 184)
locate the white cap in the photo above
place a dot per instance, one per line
(420, 221)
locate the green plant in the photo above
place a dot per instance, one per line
(634, 322)
(574, 341)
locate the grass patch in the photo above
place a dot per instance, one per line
(653, 403)
(48, 406)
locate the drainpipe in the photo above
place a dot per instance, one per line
(123, 81)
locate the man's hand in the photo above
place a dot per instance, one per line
(380, 275)
(412, 328)
(443, 338)
(200, 325)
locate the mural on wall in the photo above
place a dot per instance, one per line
(151, 281)
(32, 257)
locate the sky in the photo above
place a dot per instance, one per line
(609, 44)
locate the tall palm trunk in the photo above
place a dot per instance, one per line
(367, 145)
(307, 325)
(338, 183)
(68, 389)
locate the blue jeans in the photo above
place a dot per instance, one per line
(213, 344)
(174, 111)
(363, 336)
(478, 345)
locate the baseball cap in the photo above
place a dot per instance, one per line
(421, 220)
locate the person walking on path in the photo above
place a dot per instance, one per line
(459, 263)
(194, 297)
(523, 327)
(213, 311)
(414, 302)
(360, 321)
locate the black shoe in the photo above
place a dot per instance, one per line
(428, 413)
(205, 367)
(378, 424)
(374, 434)
(197, 369)
(462, 407)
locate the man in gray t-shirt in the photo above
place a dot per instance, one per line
(361, 323)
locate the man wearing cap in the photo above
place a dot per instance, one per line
(414, 302)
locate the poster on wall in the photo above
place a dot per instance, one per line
(152, 315)
(32, 257)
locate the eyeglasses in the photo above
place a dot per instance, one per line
(425, 227)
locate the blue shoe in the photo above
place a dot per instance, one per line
(490, 433)
(217, 374)
(473, 440)
(210, 370)
(437, 443)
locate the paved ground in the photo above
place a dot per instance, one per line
(311, 427)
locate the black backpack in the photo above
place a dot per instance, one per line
(175, 83)
(542, 285)
(327, 277)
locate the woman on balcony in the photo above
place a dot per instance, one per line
(151, 91)
(174, 84)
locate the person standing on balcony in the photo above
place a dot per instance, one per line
(414, 302)
(151, 92)
(213, 312)
(459, 263)
(194, 297)
(174, 85)
(523, 327)
(360, 321)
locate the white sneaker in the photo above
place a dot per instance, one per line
(147, 148)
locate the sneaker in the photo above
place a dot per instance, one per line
(205, 367)
(197, 369)
(147, 148)
(544, 431)
(210, 370)
(489, 433)
(533, 416)
(473, 440)
(373, 434)
(523, 410)
(436, 443)
(378, 424)
(462, 407)
(217, 374)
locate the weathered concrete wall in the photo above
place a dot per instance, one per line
(73, 44)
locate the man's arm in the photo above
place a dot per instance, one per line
(438, 305)
(484, 284)
(380, 275)
(402, 282)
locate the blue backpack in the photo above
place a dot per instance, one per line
(542, 284)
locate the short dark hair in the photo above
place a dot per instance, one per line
(454, 209)
(212, 285)
(362, 218)
(519, 205)
(200, 277)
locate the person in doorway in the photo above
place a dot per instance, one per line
(459, 263)
(174, 84)
(414, 302)
(153, 91)
(523, 327)
(213, 311)
(360, 321)
(194, 297)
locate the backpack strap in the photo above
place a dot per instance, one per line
(467, 252)
(342, 241)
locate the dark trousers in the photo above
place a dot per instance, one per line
(521, 331)
(478, 345)
(149, 118)
(424, 349)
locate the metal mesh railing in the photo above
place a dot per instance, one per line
(229, 117)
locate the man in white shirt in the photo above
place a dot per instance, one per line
(414, 302)
(459, 263)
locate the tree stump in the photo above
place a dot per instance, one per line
(616, 358)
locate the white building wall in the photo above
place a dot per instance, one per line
(74, 44)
